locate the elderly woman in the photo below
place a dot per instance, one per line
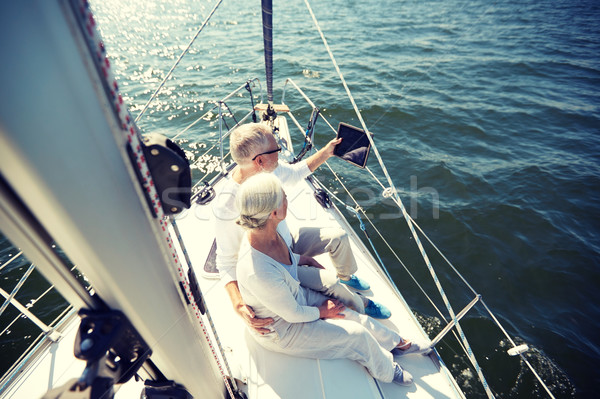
(305, 322)
(255, 149)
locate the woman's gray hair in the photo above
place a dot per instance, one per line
(257, 198)
(248, 140)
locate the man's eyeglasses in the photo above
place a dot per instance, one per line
(278, 149)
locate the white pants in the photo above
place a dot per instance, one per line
(356, 337)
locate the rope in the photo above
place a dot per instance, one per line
(404, 213)
(212, 326)
(132, 135)
(364, 229)
(184, 52)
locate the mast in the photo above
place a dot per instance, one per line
(267, 18)
(63, 155)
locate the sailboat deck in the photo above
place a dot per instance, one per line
(272, 375)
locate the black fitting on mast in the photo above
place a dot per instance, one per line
(114, 352)
(270, 114)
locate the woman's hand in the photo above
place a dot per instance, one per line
(250, 318)
(331, 309)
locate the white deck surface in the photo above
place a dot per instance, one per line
(274, 375)
(263, 374)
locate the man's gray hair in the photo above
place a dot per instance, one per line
(247, 141)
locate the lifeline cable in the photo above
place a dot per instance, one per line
(404, 213)
(388, 190)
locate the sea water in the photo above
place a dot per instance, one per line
(487, 115)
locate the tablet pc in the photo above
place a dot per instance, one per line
(355, 145)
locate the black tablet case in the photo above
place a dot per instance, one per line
(355, 145)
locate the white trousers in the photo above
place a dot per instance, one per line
(326, 282)
(356, 337)
(313, 241)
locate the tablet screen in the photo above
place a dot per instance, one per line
(355, 145)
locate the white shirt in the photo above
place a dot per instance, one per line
(271, 290)
(228, 233)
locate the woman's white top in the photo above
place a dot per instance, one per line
(271, 289)
(228, 233)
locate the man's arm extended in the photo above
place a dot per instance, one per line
(319, 158)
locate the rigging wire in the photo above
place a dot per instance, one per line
(402, 208)
(381, 236)
(360, 209)
(223, 100)
(492, 315)
(10, 260)
(341, 183)
(184, 52)
(28, 306)
(357, 205)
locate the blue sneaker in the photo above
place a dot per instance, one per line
(356, 283)
(377, 310)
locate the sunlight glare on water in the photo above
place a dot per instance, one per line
(488, 112)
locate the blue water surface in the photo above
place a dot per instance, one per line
(487, 115)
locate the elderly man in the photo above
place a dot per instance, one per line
(254, 149)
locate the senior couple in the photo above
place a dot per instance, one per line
(290, 302)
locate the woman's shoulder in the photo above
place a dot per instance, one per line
(253, 260)
(251, 257)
